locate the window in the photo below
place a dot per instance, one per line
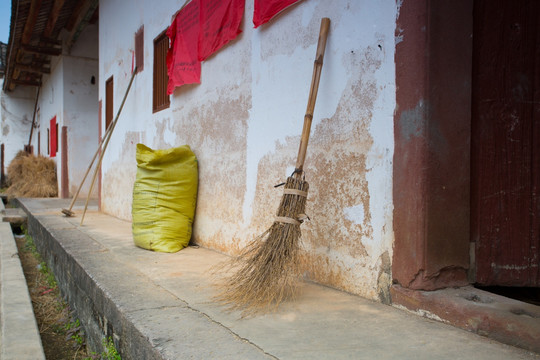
(139, 49)
(160, 97)
(108, 102)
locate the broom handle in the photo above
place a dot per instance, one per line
(317, 68)
(107, 132)
(113, 124)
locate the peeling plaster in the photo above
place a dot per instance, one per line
(355, 214)
(218, 126)
(411, 122)
(341, 247)
(421, 312)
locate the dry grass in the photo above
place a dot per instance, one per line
(267, 272)
(32, 176)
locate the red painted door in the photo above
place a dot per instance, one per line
(53, 141)
(505, 148)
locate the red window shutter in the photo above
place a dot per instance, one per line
(54, 138)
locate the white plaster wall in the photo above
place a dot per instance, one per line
(81, 109)
(50, 104)
(244, 123)
(16, 112)
(68, 94)
(81, 118)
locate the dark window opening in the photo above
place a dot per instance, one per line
(139, 49)
(160, 98)
(108, 102)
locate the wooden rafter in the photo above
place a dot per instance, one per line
(79, 21)
(74, 19)
(36, 36)
(31, 21)
(26, 82)
(33, 69)
(40, 62)
(41, 50)
(53, 17)
(49, 41)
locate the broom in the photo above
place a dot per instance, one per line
(267, 270)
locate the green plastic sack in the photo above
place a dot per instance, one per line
(164, 198)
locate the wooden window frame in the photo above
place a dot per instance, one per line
(160, 98)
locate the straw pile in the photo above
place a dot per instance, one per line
(31, 176)
(267, 272)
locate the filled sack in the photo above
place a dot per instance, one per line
(164, 198)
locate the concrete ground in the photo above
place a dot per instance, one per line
(160, 306)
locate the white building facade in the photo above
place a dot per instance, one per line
(244, 122)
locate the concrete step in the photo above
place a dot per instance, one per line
(13, 216)
(507, 320)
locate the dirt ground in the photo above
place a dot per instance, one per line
(61, 334)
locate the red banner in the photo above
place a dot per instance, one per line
(220, 23)
(183, 65)
(267, 9)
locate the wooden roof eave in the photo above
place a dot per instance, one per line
(34, 36)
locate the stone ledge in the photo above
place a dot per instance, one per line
(506, 320)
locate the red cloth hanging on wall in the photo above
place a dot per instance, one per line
(199, 29)
(220, 23)
(264, 10)
(53, 141)
(183, 65)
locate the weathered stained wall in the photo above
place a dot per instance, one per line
(244, 123)
(16, 111)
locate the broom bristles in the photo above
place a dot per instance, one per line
(267, 271)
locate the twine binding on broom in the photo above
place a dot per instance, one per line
(295, 192)
(287, 220)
